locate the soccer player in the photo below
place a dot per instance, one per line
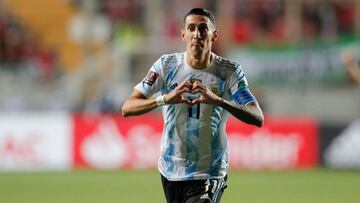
(197, 89)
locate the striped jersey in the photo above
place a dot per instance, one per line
(194, 144)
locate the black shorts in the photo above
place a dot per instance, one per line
(194, 191)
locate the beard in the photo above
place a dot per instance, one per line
(197, 50)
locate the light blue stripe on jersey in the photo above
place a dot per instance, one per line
(216, 145)
(173, 62)
(216, 153)
(157, 66)
(216, 117)
(172, 73)
(192, 126)
(192, 153)
(169, 152)
(243, 96)
(173, 69)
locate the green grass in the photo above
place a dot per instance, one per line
(312, 186)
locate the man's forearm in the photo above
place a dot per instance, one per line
(136, 106)
(250, 114)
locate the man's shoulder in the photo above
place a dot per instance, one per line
(172, 57)
(226, 63)
(227, 66)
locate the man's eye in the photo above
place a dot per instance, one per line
(191, 28)
(203, 28)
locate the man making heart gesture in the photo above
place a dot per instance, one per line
(196, 90)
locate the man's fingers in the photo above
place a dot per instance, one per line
(186, 101)
(197, 85)
(186, 83)
(198, 90)
(197, 100)
(193, 88)
(184, 89)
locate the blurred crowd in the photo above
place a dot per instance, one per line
(266, 19)
(21, 50)
(251, 21)
(142, 30)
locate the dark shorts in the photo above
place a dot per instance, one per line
(194, 191)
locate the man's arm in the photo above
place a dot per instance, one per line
(250, 113)
(138, 103)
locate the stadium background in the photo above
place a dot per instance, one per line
(66, 66)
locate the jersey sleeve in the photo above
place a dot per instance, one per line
(239, 87)
(152, 82)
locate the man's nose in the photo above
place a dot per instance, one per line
(197, 33)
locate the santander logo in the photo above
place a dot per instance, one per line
(264, 149)
(115, 142)
(105, 148)
(145, 144)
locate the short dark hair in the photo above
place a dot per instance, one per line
(201, 12)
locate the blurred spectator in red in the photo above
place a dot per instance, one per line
(12, 40)
(22, 50)
(244, 25)
(311, 21)
(344, 11)
(47, 62)
(259, 21)
(2, 39)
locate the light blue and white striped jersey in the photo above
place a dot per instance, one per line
(194, 144)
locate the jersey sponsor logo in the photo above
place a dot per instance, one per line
(151, 78)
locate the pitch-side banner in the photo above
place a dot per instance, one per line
(113, 142)
(340, 146)
(35, 142)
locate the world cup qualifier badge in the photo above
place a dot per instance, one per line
(151, 78)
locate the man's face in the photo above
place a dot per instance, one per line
(198, 34)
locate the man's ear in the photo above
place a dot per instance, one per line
(182, 33)
(215, 36)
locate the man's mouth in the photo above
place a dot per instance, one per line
(197, 44)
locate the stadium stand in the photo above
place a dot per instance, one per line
(89, 75)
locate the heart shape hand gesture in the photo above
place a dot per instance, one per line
(178, 94)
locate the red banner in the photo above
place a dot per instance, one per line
(112, 142)
(282, 143)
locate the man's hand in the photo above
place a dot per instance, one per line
(176, 96)
(207, 96)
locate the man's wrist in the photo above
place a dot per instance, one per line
(221, 102)
(160, 100)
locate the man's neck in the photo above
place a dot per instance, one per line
(200, 61)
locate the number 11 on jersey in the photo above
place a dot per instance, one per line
(194, 111)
